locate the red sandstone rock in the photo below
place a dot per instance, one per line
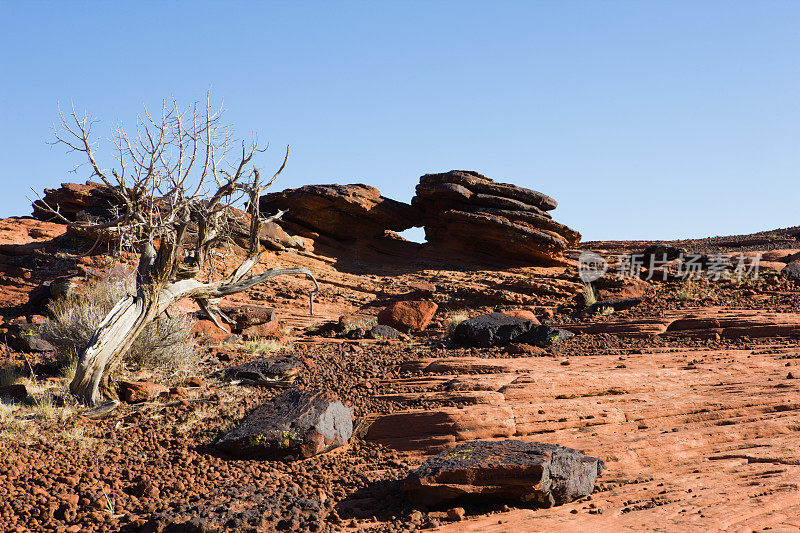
(522, 313)
(75, 201)
(140, 391)
(342, 211)
(408, 316)
(208, 330)
(468, 212)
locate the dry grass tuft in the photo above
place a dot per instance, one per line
(453, 320)
(589, 297)
(266, 347)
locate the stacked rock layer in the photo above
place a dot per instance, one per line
(344, 212)
(467, 211)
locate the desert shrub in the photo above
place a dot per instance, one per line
(164, 343)
(453, 320)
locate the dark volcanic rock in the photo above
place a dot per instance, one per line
(536, 474)
(468, 212)
(25, 338)
(295, 424)
(281, 369)
(16, 391)
(544, 336)
(792, 270)
(382, 331)
(494, 329)
(344, 212)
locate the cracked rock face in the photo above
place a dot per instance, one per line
(531, 473)
(293, 425)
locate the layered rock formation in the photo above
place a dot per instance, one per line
(344, 212)
(467, 211)
(77, 202)
(93, 202)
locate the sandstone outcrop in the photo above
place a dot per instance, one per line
(94, 202)
(709, 322)
(344, 212)
(74, 201)
(466, 211)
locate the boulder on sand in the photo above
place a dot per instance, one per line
(409, 315)
(293, 425)
(527, 473)
(344, 212)
(494, 329)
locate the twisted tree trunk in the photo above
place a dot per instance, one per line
(93, 379)
(112, 340)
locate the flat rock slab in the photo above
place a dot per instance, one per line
(530, 473)
(140, 391)
(276, 370)
(293, 425)
(344, 212)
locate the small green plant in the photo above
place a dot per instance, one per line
(605, 310)
(285, 439)
(44, 407)
(68, 371)
(110, 508)
(686, 293)
(589, 297)
(312, 327)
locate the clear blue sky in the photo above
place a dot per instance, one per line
(643, 119)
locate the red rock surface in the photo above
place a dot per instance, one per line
(698, 432)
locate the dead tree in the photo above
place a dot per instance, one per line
(175, 183)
